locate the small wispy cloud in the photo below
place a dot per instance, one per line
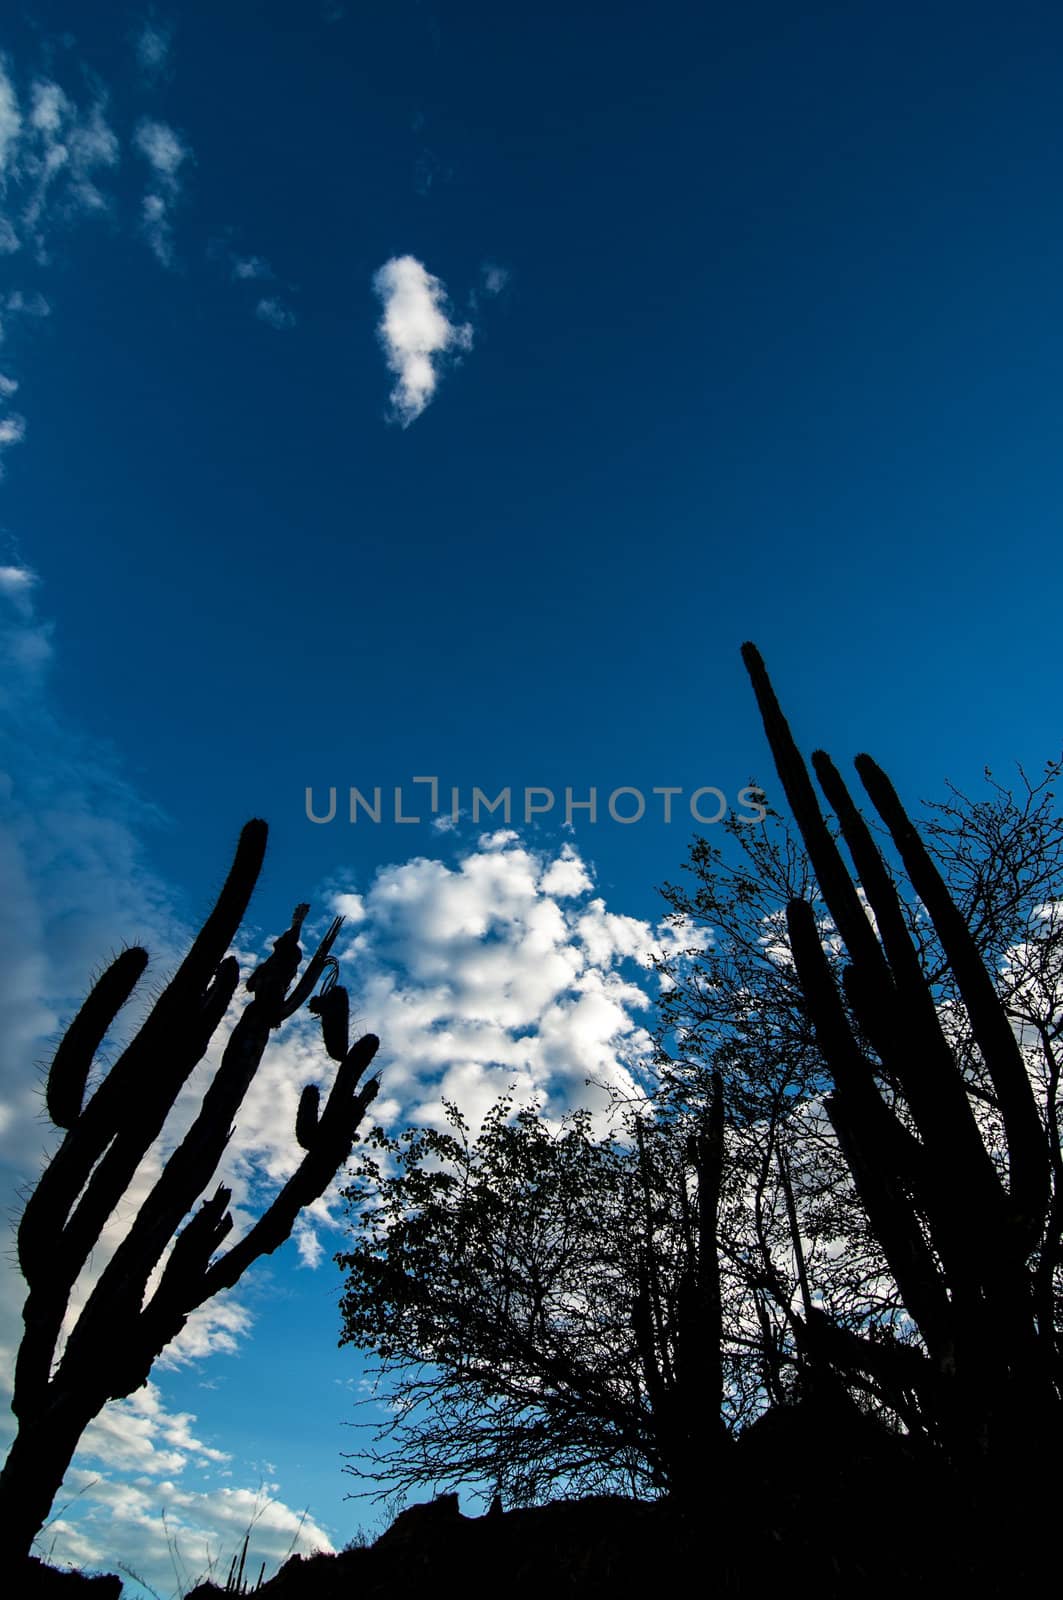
(12, 431)
(492, 281)
(166, 153)
(51, 157)
(494, 277)
(17, 584)
(415, 332)
(275, 313)
(161, 147)
(250, 268)
(10, 122)
(12, 424)
(151, 45)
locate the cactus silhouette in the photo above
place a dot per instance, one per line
(121, 1329)
(960, 1238)
(679, 1334)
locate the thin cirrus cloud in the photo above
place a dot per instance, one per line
(415, 332)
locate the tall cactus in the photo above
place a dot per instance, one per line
(958, 1238)
(121, 1329)
(678, 1328)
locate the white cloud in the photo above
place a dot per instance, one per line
(499, 970)
(275, 313)
(163, 1529)
(140, 1435)
(16, 581)
(495, 278)
(50, 108)
(161, 147)
(26, 305)
(152, 46)
(12, 431)
(251, 267)
(58, 164)
(349, 906)
(166, 153)
(567, 876)
(76, 889)
(415, 332)
(10, 122)
(24, 643)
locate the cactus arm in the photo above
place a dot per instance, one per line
(878, 1149)
(126, 1113)
(116, 1337)
(315, 967)
(329, 1150)
(307, 1115)
(834, 882)
(1027, 1146)
(333, 1007)
(73, 1059)
(918, 1055)
(191, 1165)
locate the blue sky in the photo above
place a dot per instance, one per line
(397, 391)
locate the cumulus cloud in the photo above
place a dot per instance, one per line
(165, 152)
(415, 332)
(502, 968)
(139, 1434)
(165, 1528)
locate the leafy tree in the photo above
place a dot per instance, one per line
(846, 1184)
(537, 1294)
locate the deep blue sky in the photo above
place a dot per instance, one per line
(777, 356)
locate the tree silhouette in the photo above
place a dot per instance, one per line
(847, 1189)
(122, 1327)
(547, 1300)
